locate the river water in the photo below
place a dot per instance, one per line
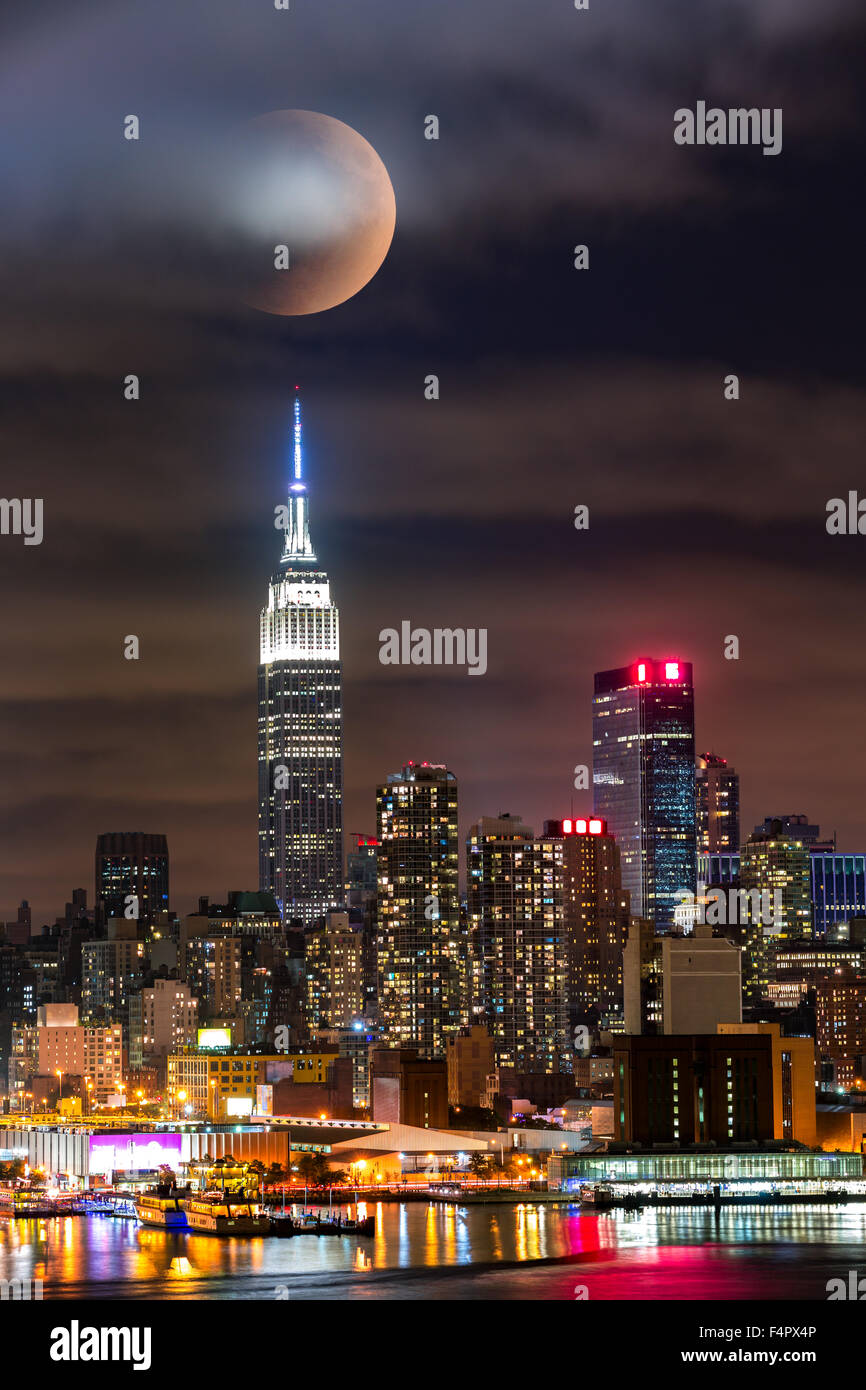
(444, 1252)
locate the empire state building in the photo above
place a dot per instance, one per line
(300, 736)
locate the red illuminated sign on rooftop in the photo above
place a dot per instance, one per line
(594, 826)
(647, 671)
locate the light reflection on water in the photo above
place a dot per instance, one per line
(443, 1251)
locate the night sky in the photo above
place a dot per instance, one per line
(558, 387)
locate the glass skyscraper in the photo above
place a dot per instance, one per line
(643, 734)
(838, 889)
(300, 733)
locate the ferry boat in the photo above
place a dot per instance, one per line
(161, 1206)
(28, 1201)
(225, 1214)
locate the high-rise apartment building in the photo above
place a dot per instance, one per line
(717, 798)
(163, 1018)
(840, 1015)
(516, 901)
(643, 734)
(111, 972)
(595, 909)
(774, 903)
(335, 973)
(300, 732)
(418, 922)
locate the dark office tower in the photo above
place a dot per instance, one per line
(419, 908)
(361, 871)
(515, 889)
(361, 901)
(595, 912)
(798, 828)
(643, 734)
(717, 794)
(130, 865)
(300, 740)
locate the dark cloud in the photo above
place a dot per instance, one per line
(707, 516)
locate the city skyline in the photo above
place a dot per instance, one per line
(579, 803)
(470, 871)
(300, 632)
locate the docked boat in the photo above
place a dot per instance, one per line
(351, 1227)
(27, 1202)
(226, 1214)
(312, 1223)
(596, 1195)
(161, 1206)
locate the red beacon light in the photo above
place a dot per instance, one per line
(672, 670)
(567, 827)
(595, 827)
(580, 827)
(641, 672)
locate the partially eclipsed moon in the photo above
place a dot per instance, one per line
(315, 186)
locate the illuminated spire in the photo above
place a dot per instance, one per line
(298, 547)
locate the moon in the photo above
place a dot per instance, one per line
(312, 193)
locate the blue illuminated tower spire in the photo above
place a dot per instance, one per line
(300, 723)
(298, 547)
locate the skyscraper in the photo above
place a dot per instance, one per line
(717, 789)
(595, 911)
(798, 828)
(335, 973)
(300, 736)
(775, 902)
(643, 734)
(131, 876)
(419, 908)
(548, 922)
(838, 889)
(515, 886)
(111, 972)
